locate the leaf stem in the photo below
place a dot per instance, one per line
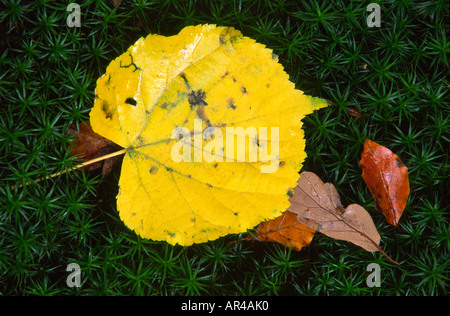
(365, 236)
(372, 241)
(79, 166)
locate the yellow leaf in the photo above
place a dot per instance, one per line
(172, 102)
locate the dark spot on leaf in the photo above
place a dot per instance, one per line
(171, 234)
(236, 214)
(243, 90)
(234, 39)
(186, 82)
(222, 39)
(231, 103)
(290, 192)
(169, 169)
(215, 165)
(106, 110)
(140, 139)
(131, 101)
(153, 169)
(208, 122)
(196, 98)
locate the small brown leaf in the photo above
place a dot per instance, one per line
(387, 179)
(319, 203)
(88, 145)
(354, 112)
(285, 230)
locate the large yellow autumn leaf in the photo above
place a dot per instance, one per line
(211, 124)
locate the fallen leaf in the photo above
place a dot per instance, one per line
(319, 203)
(387, 179)
(157, 101)
(354, 112)
(286, 230)
(88, 145)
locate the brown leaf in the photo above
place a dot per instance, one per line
(387, 179)
(319, 203)
(285, 230)
(354, 112)
(89, 145)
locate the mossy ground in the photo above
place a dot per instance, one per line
(395, 75)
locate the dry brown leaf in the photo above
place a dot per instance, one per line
(354, 112)
(320, 203)
(285, 230)
(89, 145)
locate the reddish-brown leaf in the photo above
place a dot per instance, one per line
(89, 145)
(354, 112)
(387, 179)
(285, 230)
